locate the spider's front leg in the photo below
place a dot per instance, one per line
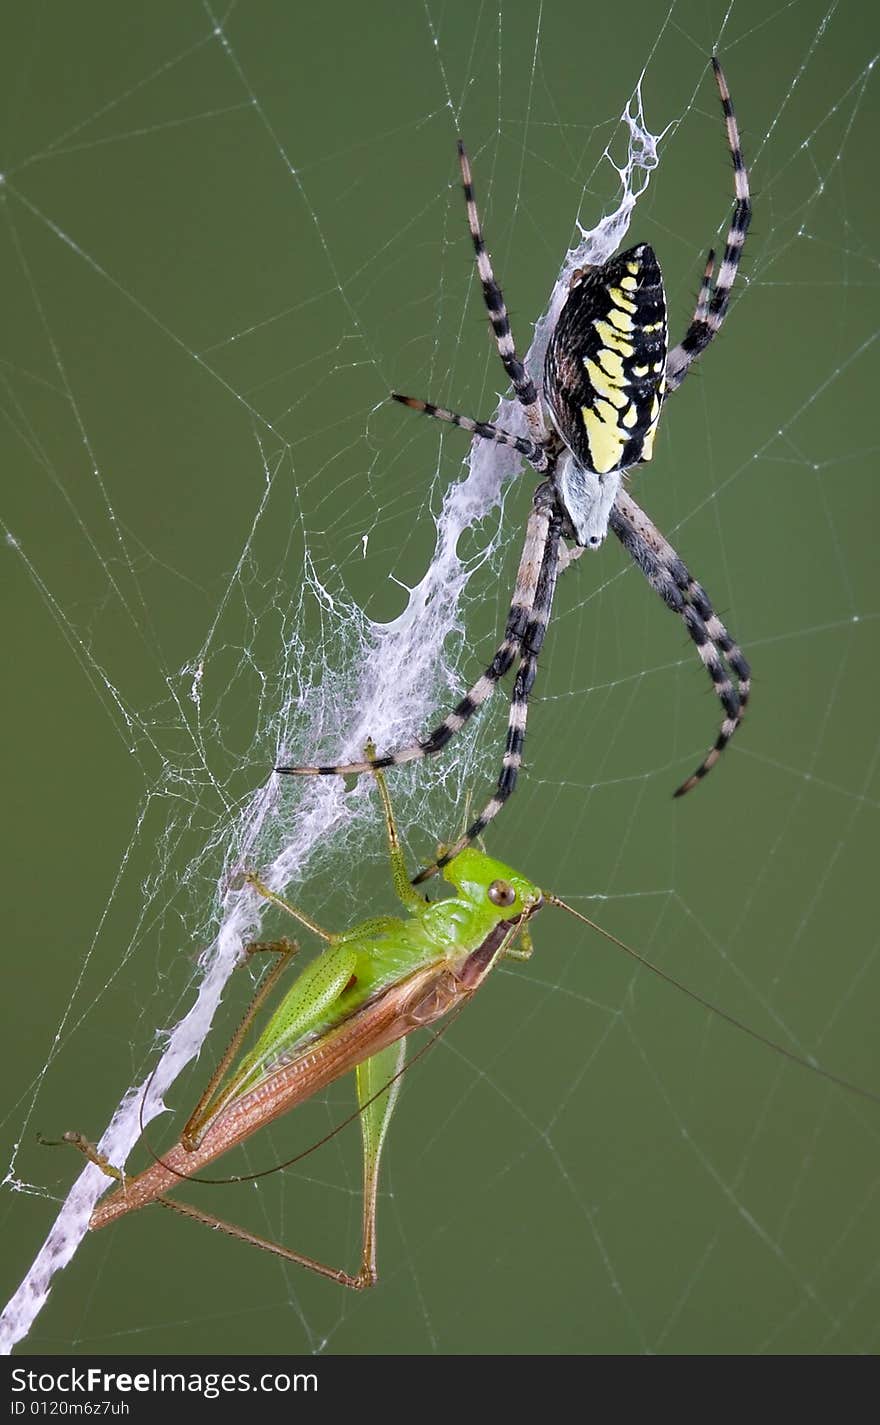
(546, 512)
(518, 626)
(670, 577)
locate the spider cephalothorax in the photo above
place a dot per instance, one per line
(607, 372)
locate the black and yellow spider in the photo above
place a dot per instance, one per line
(607, 372)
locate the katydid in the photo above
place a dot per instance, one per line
(351, 1008)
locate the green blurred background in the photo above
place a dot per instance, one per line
(196, 346)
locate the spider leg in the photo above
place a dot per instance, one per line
(517, 628)
(532, 641)
(733, 654)
(693, 591)
(535, 453)
(701, 311)
(711, 310)
(520, 379)
(670, 577)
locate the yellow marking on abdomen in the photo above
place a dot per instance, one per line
(606, 442)
(617, 296)
(611, 365)
(604, 385)
(621, 320)
(611, 339)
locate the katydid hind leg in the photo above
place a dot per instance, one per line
(311, 996)
(378, 1087)
(194, 1127)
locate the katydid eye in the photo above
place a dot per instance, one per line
(502, 893)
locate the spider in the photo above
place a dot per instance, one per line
(607, 372)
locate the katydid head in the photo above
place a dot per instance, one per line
(486, 882)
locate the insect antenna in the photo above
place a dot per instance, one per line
(699, 999)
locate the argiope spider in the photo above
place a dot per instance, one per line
(606, 373)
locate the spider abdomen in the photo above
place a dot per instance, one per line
(604, 372)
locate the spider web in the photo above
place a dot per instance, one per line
(227, 549)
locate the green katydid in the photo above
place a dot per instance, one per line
(352, 1009)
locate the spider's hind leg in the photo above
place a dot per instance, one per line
(520, 379)
(713, 301)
